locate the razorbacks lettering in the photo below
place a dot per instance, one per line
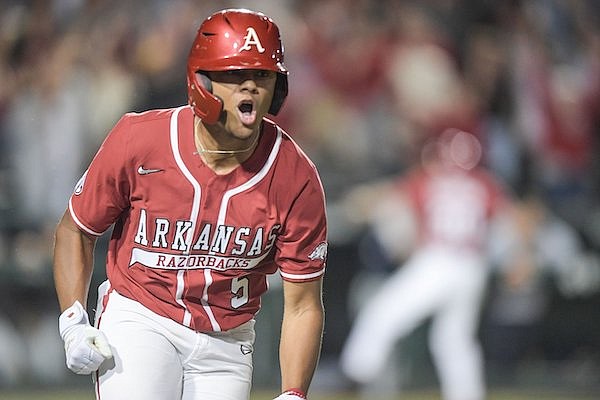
(153, 259)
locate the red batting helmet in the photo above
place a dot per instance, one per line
(233, 39)
(453, 148)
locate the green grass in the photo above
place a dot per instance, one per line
(424, 395)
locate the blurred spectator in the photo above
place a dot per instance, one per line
(556, 76)
(534, 251)
(427, 85)
(43, 126)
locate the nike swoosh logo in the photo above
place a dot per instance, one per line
(245, 349)
(143, 171)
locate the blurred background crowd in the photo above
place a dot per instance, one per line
(370, 82)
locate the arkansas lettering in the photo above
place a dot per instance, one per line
(216, 247)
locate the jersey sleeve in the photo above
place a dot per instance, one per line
(301, 248)
(102, 193)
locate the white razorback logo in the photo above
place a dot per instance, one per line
(251, 39)
(320, 252)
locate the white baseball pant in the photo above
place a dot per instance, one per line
(155, 358)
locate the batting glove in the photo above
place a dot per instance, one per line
(292, 394)
(85, 346)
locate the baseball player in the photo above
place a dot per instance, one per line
(205, 201)
(451, 203)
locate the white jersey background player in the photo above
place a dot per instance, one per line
(450, 203)
(205, 201)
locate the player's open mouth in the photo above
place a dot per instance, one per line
(247, 112)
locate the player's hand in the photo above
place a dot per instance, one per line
(293, 394)
(85, 346)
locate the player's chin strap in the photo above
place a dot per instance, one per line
(292, 394)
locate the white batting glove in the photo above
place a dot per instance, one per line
(85, 346)
(292, 394)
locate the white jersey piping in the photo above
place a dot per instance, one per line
(174, 136)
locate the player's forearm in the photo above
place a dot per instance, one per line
(300, 347)
(73, 263)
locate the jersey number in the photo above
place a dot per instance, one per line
(239, 288)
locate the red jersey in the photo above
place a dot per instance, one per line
(454, 206)
(192, 245)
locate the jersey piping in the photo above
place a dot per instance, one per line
(174, 136)
(302, 276)
(79, 223)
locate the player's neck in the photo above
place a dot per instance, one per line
(222, 159)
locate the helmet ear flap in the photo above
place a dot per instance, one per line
(205, 81)
(280, 93)
(206, 105)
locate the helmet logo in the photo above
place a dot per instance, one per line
(251, 39)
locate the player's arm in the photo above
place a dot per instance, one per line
(73, 262)
(86, 347)
(301, 333)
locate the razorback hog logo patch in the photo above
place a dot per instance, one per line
(320, 252)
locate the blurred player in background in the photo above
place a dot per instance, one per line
(205, 201)
(450, 202)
